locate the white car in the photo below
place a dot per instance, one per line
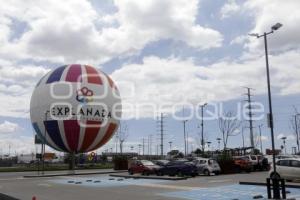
(207, 166)
(288, 169)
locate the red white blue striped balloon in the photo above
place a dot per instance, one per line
(75, 108)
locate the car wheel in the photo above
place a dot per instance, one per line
(130, 172)
(146, 173)
(206, 172)
(159, 173)
(237, 169)
(179, 173)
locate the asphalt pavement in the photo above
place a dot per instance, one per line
(113, 188)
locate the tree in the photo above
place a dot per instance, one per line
(122, 134)
(228, 125)
(198, 151)
(295, 126)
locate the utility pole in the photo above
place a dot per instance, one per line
(148, 144)
(143, 146)
(202, 127)
(170, 143)
(161, 126)
(161, 134)
(261, 148)
(140, 149)
(250, 116)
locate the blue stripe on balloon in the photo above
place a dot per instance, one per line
(38, 131)
(54, 133)
(40, 135)
(56, 74)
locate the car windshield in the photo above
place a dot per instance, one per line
(211, 161)
(147, 162)
(164, 162)
(253, 157)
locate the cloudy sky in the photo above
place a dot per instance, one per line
(158, 52)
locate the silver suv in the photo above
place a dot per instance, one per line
(207, 166)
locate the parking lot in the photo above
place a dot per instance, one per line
(105, 187)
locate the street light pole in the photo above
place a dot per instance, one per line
(261, 148)
(297, 134)
(243, 137)
(284, 138)
(185, 137)
(270, 114)
(43, 144)
(275, 27)
(219, 141)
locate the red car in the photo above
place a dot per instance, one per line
(144, 167)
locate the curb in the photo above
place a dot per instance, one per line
(149, 177)
(264, 184)
(72, 174)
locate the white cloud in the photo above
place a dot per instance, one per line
(170, 81)
(239, 40)
(264, 138)
(73, 31)
(16, 144)
(229, 8)
(269, 12)
(9, 127)
(16, 86)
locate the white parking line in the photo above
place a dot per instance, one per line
(220, 181)
(175, 187)
(44, 185)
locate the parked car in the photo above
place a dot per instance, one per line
(288, 169)
(180, 168)
(254, 160)
(207, 166)
(144, 167)
(242, 164)
(161, 162)
(263, 163)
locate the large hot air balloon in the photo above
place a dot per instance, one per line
(75, 108)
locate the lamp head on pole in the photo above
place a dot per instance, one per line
(283, 138)
(254, 34)
(276, 26)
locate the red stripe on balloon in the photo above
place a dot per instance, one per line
(74, 73)
(72, 131)
(90, 134)
(93, 75)
(109, 133)
(111, 83)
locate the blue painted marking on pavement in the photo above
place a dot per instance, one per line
(105, 181)
(241, 192)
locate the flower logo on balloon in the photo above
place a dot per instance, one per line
(84, 95)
